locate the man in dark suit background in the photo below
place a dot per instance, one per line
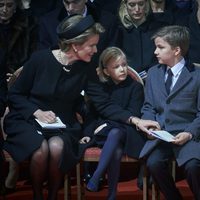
(49, 22)
(172, 98)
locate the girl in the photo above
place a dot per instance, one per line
(115, 138)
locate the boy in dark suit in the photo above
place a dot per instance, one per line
(172, 98)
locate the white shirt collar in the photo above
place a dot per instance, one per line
(176, 69)
(85, 11)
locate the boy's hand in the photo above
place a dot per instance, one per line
(149, 135)
(182, 138)
(84, 140)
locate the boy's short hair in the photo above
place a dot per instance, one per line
(176, 36)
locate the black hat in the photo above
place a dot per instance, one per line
(75, 29)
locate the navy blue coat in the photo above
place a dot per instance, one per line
(129, 96)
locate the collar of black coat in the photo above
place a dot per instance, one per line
(75, 30)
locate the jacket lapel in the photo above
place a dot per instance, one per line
(183, 79)
(161, 79)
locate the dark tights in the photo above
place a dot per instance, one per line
(110, 160)
(44, 163)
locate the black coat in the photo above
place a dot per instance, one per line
(43, 84)
(129, 96)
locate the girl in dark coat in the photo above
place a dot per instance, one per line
(49, 86)
(115, 138)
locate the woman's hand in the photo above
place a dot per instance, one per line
(84, 140)
(45, 116)
(145, 125)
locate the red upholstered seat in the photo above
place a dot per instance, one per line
(92, 154)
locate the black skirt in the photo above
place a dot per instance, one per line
(101, 136)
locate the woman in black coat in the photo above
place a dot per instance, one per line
(136, 26)
(49, 86)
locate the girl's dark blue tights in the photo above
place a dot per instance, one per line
(109, 160)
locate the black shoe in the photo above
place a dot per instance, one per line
(87, 178)
(101, 183)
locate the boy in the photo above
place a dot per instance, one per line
(172, 98)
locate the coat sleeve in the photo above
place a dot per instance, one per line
(148, 109)
(194, 126)
(20, 91)
(136, 99)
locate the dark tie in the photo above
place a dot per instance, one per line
(169, 80)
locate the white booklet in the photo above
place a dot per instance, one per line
(163, 135)
(55, 125)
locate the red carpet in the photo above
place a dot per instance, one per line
(126, 191)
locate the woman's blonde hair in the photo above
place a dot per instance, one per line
(106, 56)
(124, 16)
(64, 44)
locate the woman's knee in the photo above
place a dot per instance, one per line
(42, 152)
(55, 144)
(118, 153)
(115, 133)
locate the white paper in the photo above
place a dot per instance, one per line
(163, 135)
(55, 125)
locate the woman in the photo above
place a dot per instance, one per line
(50, 86)
(136, 26)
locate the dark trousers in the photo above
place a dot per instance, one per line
(157, 164)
